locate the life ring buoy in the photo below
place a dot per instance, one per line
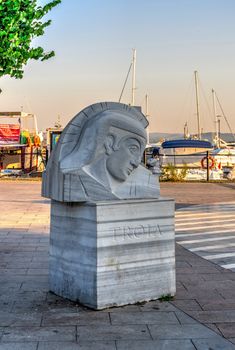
(211, 162)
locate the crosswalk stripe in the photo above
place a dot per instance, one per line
(206, 223)
(207, 240)
(193, 228)
(211, 247)
(205, 213)
(205, 209)
(228, 266)
(217, 256)
(208, 206)
(206, 220)
(195, 225)
(200, 220)
(203, 233)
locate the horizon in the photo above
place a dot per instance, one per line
(181, 133)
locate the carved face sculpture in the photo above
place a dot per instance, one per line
(127, 156)
(97, 155)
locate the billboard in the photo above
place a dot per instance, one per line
(9, 134)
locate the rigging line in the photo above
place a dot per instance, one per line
(184, 108)
(143, 101)
(230, 129)
(206, 102)
(191, 106)
(124, 85)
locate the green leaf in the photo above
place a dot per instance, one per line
(20, 23)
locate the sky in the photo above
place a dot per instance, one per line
(94, 40)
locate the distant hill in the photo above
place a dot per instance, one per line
(158, 136)
(227, 137)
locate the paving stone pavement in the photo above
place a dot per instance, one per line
(201, 316)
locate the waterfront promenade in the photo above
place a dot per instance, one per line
(201, 316)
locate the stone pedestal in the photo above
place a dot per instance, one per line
(112, 253)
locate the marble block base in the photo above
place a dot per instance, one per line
(112, 253)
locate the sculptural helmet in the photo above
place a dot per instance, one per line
(101, 146)
(103, 136)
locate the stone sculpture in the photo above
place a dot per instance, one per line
(98, 157)
(111, 234)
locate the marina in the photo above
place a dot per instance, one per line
(200, 158)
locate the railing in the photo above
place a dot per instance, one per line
(20, 161)
(199, 166)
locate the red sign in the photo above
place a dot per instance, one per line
(9, 133)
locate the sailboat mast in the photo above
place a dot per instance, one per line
(215, 117)
(133, 78)
(197, 105)
(147, 115)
